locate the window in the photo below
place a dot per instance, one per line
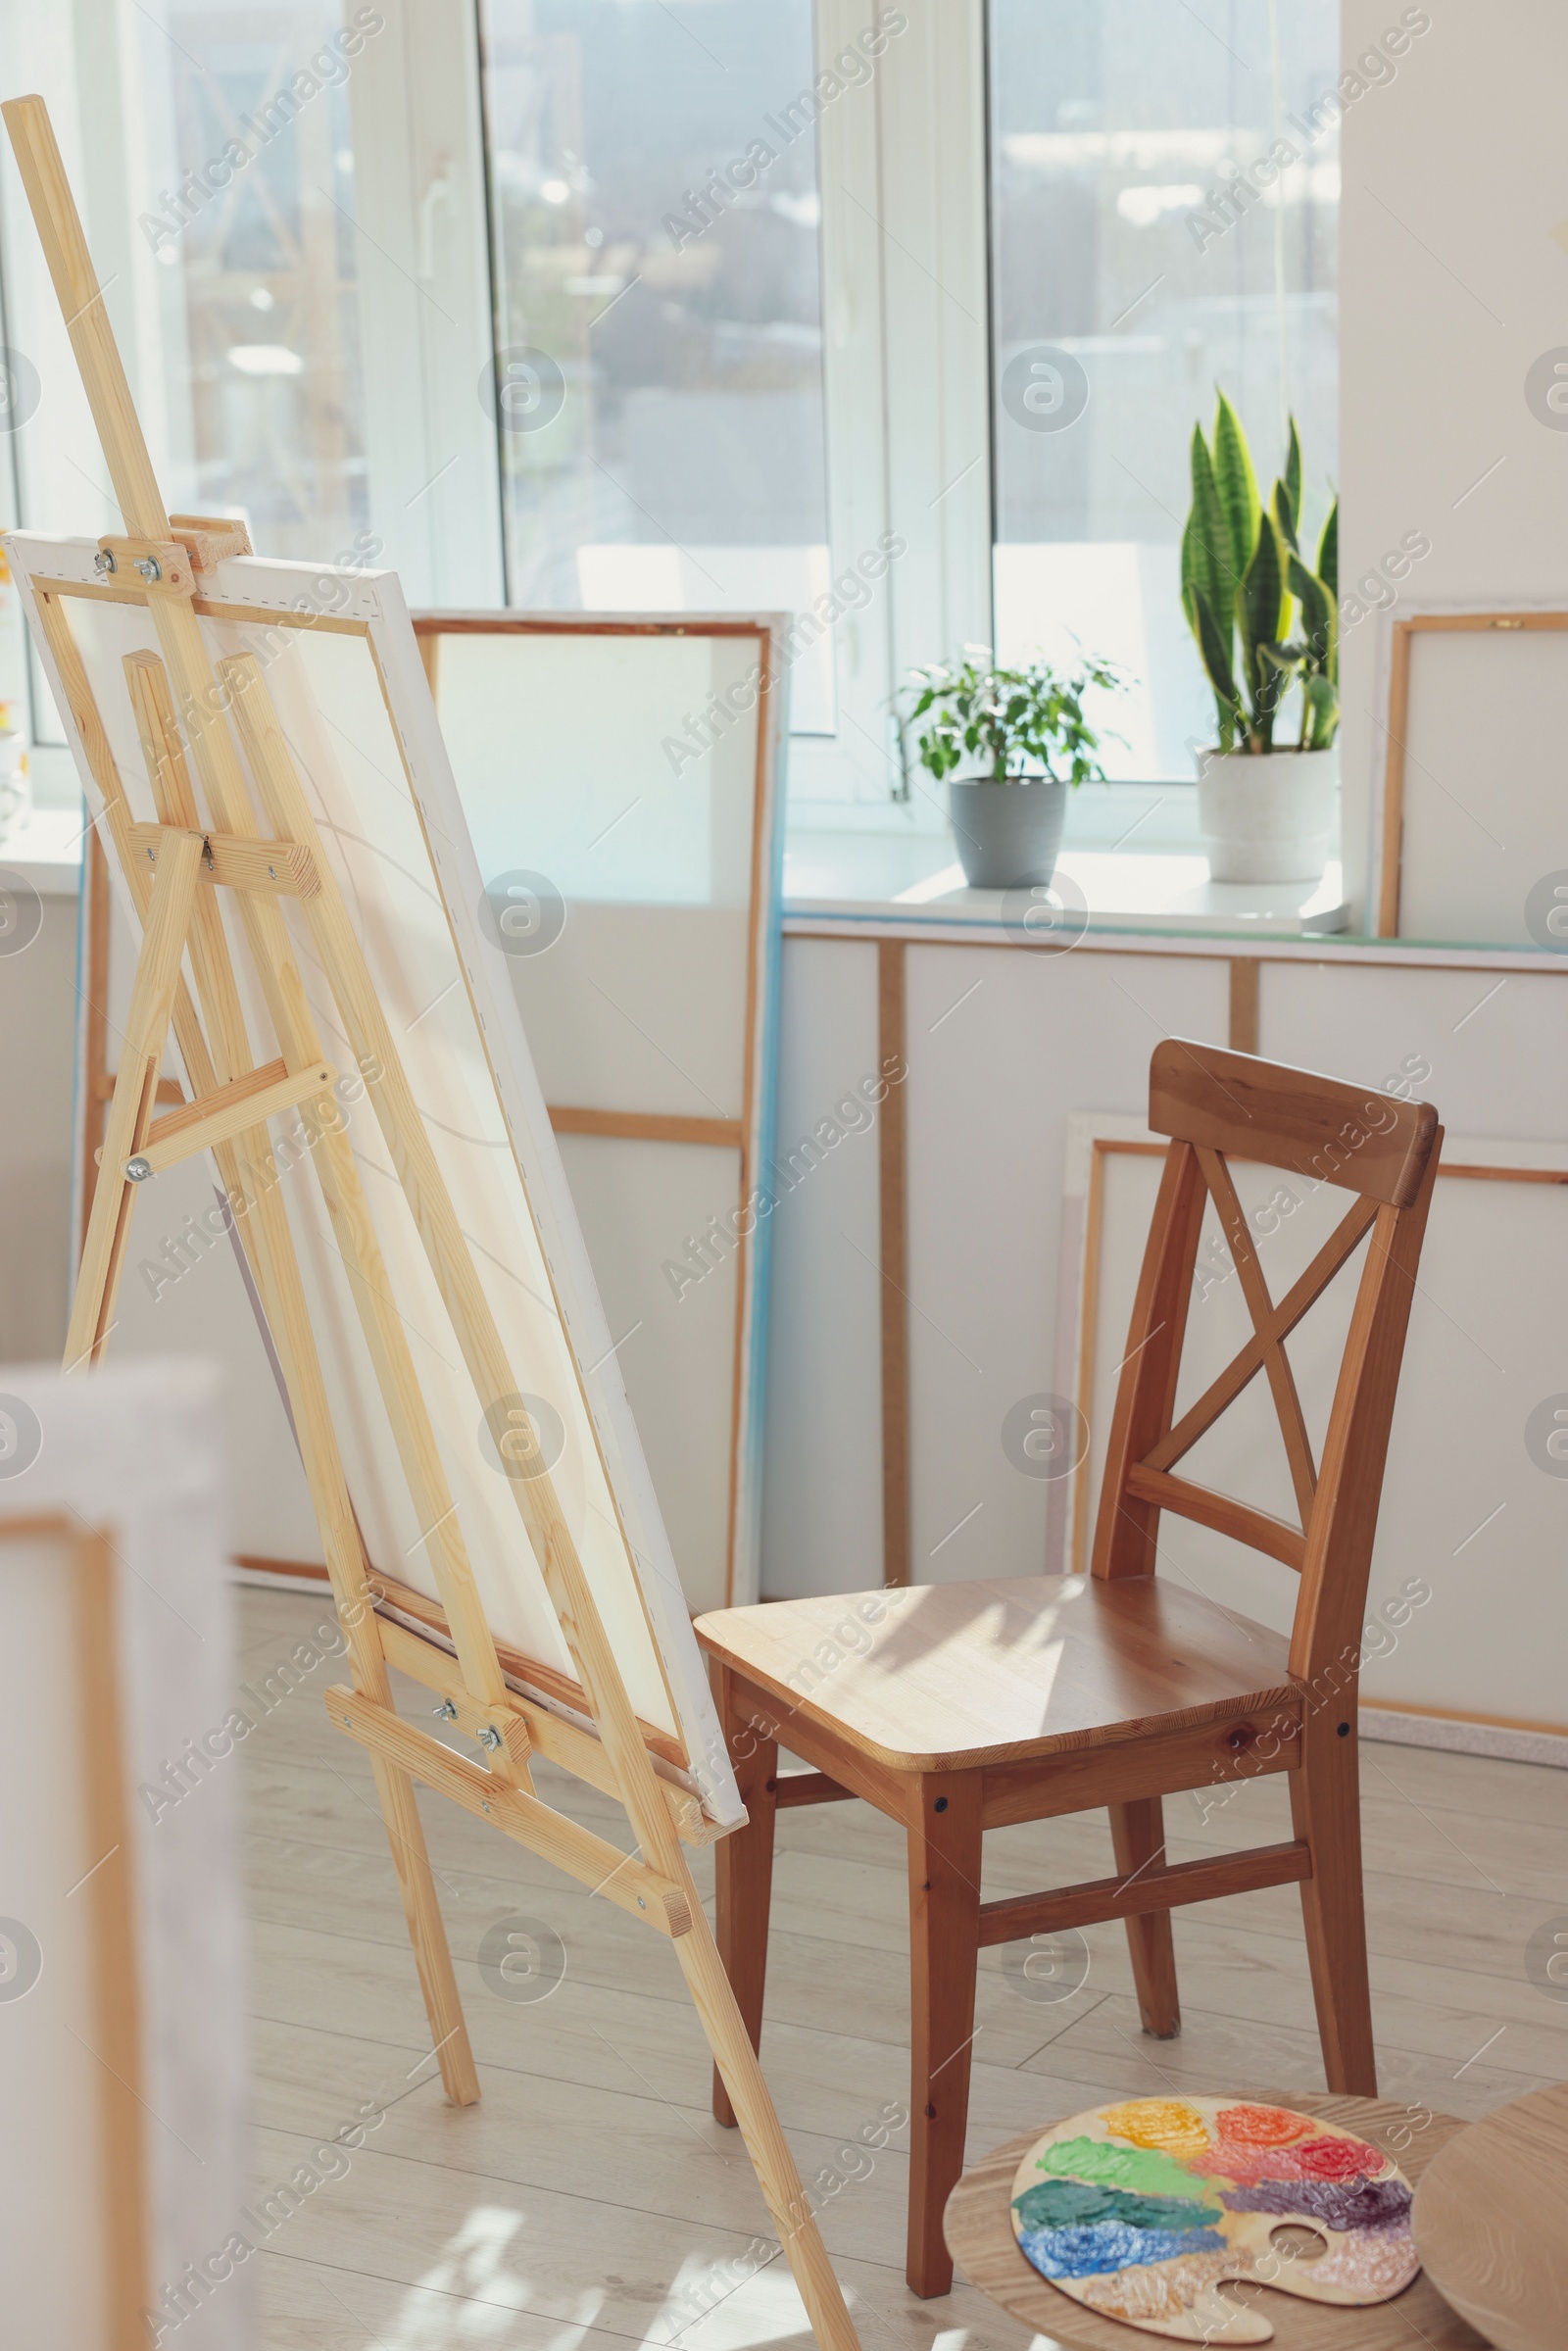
(655, 219)
(896, 313)
(256, 290)
(1132, 278)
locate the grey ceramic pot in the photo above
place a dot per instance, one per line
(1007, 833)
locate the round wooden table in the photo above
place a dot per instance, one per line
(979, 2230)
(1490, 2221)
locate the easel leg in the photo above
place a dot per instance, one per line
(765, 2143)
(743, 1870)
(427, 1933)
(1326, 1810)
(1138, 1837)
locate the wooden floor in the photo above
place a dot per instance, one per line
(590, 2199)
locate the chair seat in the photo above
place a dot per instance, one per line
(939, 1677)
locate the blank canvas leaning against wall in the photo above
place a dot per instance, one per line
(122, 1996)
(622, 781)
(1469, 1511)
(1467, 819)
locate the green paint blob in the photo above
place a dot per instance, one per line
(1146, 2171)
(1072, 2204)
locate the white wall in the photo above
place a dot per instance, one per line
(1454, 280)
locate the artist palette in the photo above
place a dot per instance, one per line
(1138, 2210)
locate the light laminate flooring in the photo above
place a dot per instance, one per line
(591, 2200)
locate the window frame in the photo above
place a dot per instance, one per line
(905, 315)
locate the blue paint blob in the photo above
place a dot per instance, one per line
(1103, 2246)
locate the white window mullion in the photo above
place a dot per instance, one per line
(938, 329)
(861, 757)
(907, 362)
(424, 302)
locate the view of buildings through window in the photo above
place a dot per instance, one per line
(659, 304)
(257, 288)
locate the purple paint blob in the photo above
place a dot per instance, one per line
(1337, 2203)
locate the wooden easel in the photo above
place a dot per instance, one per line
(175, 870)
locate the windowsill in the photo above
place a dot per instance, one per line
(910, 883)
(46, 852)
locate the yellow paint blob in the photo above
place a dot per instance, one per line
(1168, 2123)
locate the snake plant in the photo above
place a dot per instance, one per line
(1243, 570)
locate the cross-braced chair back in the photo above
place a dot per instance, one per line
(1215, 1107)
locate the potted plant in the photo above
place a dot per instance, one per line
(1268, 790)
(1013, 743)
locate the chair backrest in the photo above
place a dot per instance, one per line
(1217, 1106)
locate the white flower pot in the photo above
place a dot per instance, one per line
(1273, 817)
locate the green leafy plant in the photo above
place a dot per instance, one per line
(1009, 720)
(1243, 577)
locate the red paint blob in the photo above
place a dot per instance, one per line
(1316, 2159)
(1262, 2125)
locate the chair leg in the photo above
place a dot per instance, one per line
(943, 1953)
(1137, 1837)
(1326, 1809)
(743, 1865)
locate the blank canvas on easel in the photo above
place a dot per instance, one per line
(350, 709)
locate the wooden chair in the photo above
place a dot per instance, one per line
(957, 1708)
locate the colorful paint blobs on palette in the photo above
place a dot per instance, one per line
(1140, 2209)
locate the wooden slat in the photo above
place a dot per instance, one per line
(208, 538)
(892, 1189)
(1220, 1513)
(1345, 1236)
(1244, 1015)
(576, 1751)
(171, 571)
(648, 1126)
(1317, 1126)
(601, 1867)
(199, 1126)
(1338, 1553)
(822, 1743)
(99, 1085)
(1245, 1745)
(283, 868)
(808, 1787)
(1125, 1533)
(547, 1680)
(1260, 1306)
(117, 2037)
(1101, 1898)
(152, 1003)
